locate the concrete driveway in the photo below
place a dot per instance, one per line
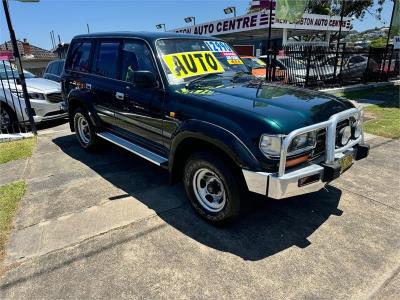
(108, 225)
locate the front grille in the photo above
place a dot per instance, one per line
(321, 136)
(54, 97)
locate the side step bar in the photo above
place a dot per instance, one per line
(136, 149)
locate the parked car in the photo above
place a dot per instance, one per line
(185, 104)
(44, 96)
(54, 70)
(354, 67)
(259, 68)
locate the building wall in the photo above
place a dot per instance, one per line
(260, 45)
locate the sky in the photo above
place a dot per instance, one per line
(34, 21)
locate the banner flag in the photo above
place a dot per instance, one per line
(290, 10)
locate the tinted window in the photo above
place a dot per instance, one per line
(356, 59)
(136, 56)
(50, 68)
(58, 69)
(107, 59)
(79, 57)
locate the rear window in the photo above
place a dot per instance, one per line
(79, 57)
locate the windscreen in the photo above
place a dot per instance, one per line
(184, 60)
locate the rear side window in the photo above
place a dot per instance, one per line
(106, 60)
(50, 68)
(79, 57)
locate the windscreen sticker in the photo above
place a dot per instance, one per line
(216, 46)
(189, 64)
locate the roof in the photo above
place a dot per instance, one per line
(149, 36)
(36, 53)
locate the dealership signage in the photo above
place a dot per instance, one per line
(260, 20)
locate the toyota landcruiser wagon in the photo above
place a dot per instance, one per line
(190, 105)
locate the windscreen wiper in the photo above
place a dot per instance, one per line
(206, 76)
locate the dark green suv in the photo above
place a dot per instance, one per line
(190, 105)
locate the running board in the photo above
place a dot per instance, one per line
(131, 147)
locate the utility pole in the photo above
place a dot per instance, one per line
(17, 56)
(88, 29)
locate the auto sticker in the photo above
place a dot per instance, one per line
(189, 64)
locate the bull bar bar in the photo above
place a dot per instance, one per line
(284, 183)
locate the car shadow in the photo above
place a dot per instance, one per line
(264, 229)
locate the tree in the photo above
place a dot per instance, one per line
(378, 43)
(352, 8)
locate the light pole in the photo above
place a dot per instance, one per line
(19, 64)
(230, 10)
(190, 19)
(160, 26)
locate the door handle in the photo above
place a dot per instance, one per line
(119, 96)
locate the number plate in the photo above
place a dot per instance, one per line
(346, 162)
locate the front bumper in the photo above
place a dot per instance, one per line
(309, 177)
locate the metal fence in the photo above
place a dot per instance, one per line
(321, 67)
(14, 118)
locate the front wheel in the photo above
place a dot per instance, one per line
(84, 130)
(212, 188)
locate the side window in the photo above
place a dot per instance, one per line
(356, 60)
(107, 60)
(136, 56)
(79, 57)
(58, 68)
(49, 69)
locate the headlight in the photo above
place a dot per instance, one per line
(357, 129)
(302, 143)
(270, 145)
(344, 135)
(37, 96)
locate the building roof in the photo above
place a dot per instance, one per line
(36, 53)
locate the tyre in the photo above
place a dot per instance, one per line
(7, 119)
(212, 188)
(84, 130)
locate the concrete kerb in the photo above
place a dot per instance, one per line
(360, 86)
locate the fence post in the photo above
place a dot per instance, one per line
(308, 66)
(17, 56)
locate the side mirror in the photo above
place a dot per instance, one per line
(144, 79)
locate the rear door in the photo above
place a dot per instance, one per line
(104, 82)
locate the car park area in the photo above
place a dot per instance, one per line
(134, 235)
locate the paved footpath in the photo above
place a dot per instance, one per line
(108, 226)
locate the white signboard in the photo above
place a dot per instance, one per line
(396, 42)
(260, 20)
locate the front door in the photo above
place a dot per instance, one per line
(139, 110)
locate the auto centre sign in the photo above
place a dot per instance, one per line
(260, 20)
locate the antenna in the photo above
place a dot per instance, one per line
(88, 29)
(59, 39)
(51, 38)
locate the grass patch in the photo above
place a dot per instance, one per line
(16, 149)
(10, 195)
(385, 121)
(381, 119)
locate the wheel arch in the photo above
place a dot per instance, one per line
(208, 137)
(77, 100)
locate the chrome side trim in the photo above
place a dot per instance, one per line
(136, 149)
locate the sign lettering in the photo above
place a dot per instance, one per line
(189, 64)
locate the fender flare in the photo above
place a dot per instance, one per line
(219, 137)
(82, 99)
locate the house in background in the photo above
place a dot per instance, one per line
(61, 50)
(34, 59)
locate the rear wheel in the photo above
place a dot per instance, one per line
(7, 119)
(212, 188)
(84, 130)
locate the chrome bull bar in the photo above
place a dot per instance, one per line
(330, 141)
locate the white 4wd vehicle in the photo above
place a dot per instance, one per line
(44, 95)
